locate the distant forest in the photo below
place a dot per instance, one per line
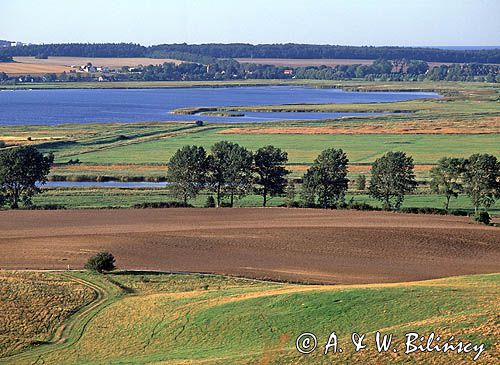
(195, 52)
(216, 62)
(230, 69)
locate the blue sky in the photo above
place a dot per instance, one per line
(349, 22)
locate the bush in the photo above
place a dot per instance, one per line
(482, 217)
(210, 202)
(2, 144)
(361, 206)
(361, 182)
(48, 207)
(458, 212)
(424, 210)
(199, 123)
(103, 261)
(162, 205)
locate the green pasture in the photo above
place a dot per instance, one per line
(181, 319)
(302, 149)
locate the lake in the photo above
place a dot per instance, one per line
(49, 107)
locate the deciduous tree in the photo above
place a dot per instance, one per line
(392, 178)
(445, 178)
(187, 171)
(271, 172)
(326, 180)
(481, 179)
(230, 171)
(22, 171)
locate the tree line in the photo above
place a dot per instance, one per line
(233, 170)
(76, 50)
(310, 51)
(230, 171)
(382, 70)
(239, 50)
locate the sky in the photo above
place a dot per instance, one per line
(348, 22)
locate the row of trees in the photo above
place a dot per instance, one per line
(402, 70)
(229, 170)
(478, 176)
(232, 170)
(238, 50)
(230, 69)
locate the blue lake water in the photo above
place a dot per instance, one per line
(49, 107)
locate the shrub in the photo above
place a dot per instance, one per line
(199, 123)
(361, 182)
(482, 217)
(103, 261)
(48, 207)
(162, 205)
(459, 212)
(361, 206)
(424, 210)
(210, 203)
(2, 144)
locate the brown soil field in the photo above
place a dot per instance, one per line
(31, 65)
(487, 126)
(307, 245)
(302, 62)
(14, 68)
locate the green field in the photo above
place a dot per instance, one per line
(364, 149)
(181, 319)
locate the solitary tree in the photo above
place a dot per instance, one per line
(392, 178)
(271, 172)
(445, 178)
(230, 171)
(187, 172)
(327, 179)
(100, 262)
(22, 171)
(481, 180)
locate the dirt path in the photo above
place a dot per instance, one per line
(334, 247)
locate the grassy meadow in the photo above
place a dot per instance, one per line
(180, 319)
